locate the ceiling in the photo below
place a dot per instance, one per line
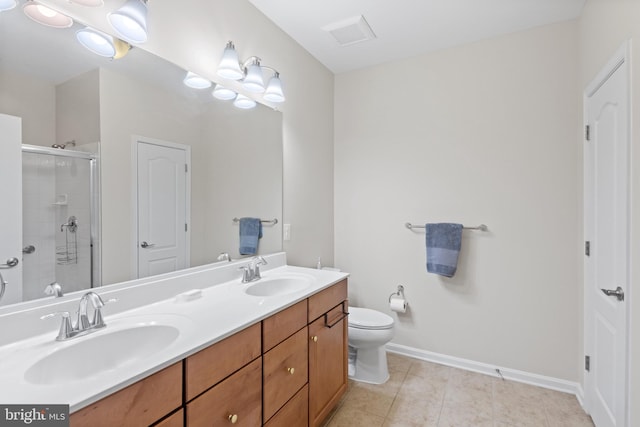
(405, 28)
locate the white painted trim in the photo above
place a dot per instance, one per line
(484, 368)
(135, 139)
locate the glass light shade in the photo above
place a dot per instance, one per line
(229, 67)
(102, 44)
(7, 4)
(244, 102)
(130, 21)
(89, 3)
(274, 89)
(253, 82)
(221, 92)
(195, 81)
(46, 16)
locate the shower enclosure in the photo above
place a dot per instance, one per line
(60, 220)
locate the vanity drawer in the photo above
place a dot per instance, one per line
(238, 396)
(285, 371)
(139, 404)
(282, 325)
(213, 364)
(325, 300)
(174, 420)
(294, 413)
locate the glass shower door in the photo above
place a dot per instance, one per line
(57, 221)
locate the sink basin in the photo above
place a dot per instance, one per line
(102, 351)
(276, 286)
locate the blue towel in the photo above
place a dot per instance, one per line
(250, 232)
(443, 247)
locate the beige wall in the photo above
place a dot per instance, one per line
(32, 99)
(78, 109)
(604, 26)
(483, 133)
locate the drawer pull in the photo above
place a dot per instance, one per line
(291, 370)
(233, 418)
(314, 338)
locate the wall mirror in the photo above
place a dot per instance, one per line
(105, 109)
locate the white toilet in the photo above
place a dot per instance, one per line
(369, 331)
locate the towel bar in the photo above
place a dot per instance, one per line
(481, 227)
(264, 221)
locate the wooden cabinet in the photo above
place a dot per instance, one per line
(289, 370)
(140, 404)
(328, 351)
(237, 400)
(211, 365)
(285, 359)
(295, 413)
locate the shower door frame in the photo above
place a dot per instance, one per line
(94, 202)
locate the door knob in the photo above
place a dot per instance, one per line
(618, 293)
(147, 245)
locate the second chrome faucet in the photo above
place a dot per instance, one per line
(251, 272)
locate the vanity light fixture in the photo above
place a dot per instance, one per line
(130, 21)
(88, 3)
(223, 93)
(7, 5)
(195, 81)
(250, 74)
(46, 16)
(229, 67)
(102, 44)
(244, 102)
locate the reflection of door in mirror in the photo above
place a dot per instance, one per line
(162, 206)
(11, 210)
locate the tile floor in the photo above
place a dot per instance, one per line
(426, 394)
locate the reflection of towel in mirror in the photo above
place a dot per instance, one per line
(443, 246)
(250, 232)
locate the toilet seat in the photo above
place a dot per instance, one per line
(365, 318)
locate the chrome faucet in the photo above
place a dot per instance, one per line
(83, 325)
(224, 256)
(251, 272)
(54, 289)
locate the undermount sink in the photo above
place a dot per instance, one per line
(276, 286)
(105, 350)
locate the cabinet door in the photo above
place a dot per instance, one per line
(327, 363)
(236, 400)
(295, 413)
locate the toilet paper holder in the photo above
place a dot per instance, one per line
(399, 292)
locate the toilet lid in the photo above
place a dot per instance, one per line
(365, 318)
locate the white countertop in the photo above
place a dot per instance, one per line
(222, 310)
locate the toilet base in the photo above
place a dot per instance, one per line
(370, 365)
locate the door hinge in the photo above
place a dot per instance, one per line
(185, 227)
(587, 248)
(587, 363)
(186, 168)
(587, 133)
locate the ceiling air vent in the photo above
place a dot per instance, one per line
(350, 31)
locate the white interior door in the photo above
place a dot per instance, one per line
(607, 230)
(162, 206)
(11, 213)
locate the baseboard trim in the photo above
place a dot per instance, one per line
(483, 368)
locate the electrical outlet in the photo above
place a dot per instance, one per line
(286, 232)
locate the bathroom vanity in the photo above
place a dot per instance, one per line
(280, 360)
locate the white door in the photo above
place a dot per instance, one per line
(163, 205)
(607, 231)
(11, 208)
